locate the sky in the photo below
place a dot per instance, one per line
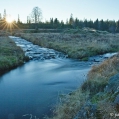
(62, 9)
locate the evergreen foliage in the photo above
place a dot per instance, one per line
(34, 21)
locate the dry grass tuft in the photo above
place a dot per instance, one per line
(70, 104)
(98, 76)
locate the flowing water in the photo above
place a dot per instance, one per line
(32, 90)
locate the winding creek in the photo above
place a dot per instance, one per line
(32, 90)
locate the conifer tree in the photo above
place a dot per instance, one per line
(117, 27)
(96, 24)
(0, 16)
(18, 21)
(71, 20)
(4, 14)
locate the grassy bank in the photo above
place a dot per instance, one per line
(79, 44)
(10, 55)
(92, 90)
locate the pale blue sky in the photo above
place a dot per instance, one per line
(61, 9)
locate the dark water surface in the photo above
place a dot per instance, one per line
(34, 88)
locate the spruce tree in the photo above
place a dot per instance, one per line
(96, 24)
(0, 16)
(18, 21)
(4, 14)
(117, 27)
(71, 21)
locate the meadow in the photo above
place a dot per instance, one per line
(77, 44)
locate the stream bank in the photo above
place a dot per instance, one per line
(97, 98)
(11, 56)
(35, 87)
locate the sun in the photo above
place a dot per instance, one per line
(8, 23)
(9, 19)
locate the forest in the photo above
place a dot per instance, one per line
(111, 26)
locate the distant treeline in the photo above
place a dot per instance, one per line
(107, 25)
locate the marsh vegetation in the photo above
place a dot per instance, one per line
(77, 44)
(10, 54)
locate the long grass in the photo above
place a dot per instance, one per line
(69, 105)
(98, 76)
(10, 54)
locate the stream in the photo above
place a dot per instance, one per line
(32, 90)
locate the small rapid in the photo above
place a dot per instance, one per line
(35, 52)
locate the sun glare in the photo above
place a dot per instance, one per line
(9, 19)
